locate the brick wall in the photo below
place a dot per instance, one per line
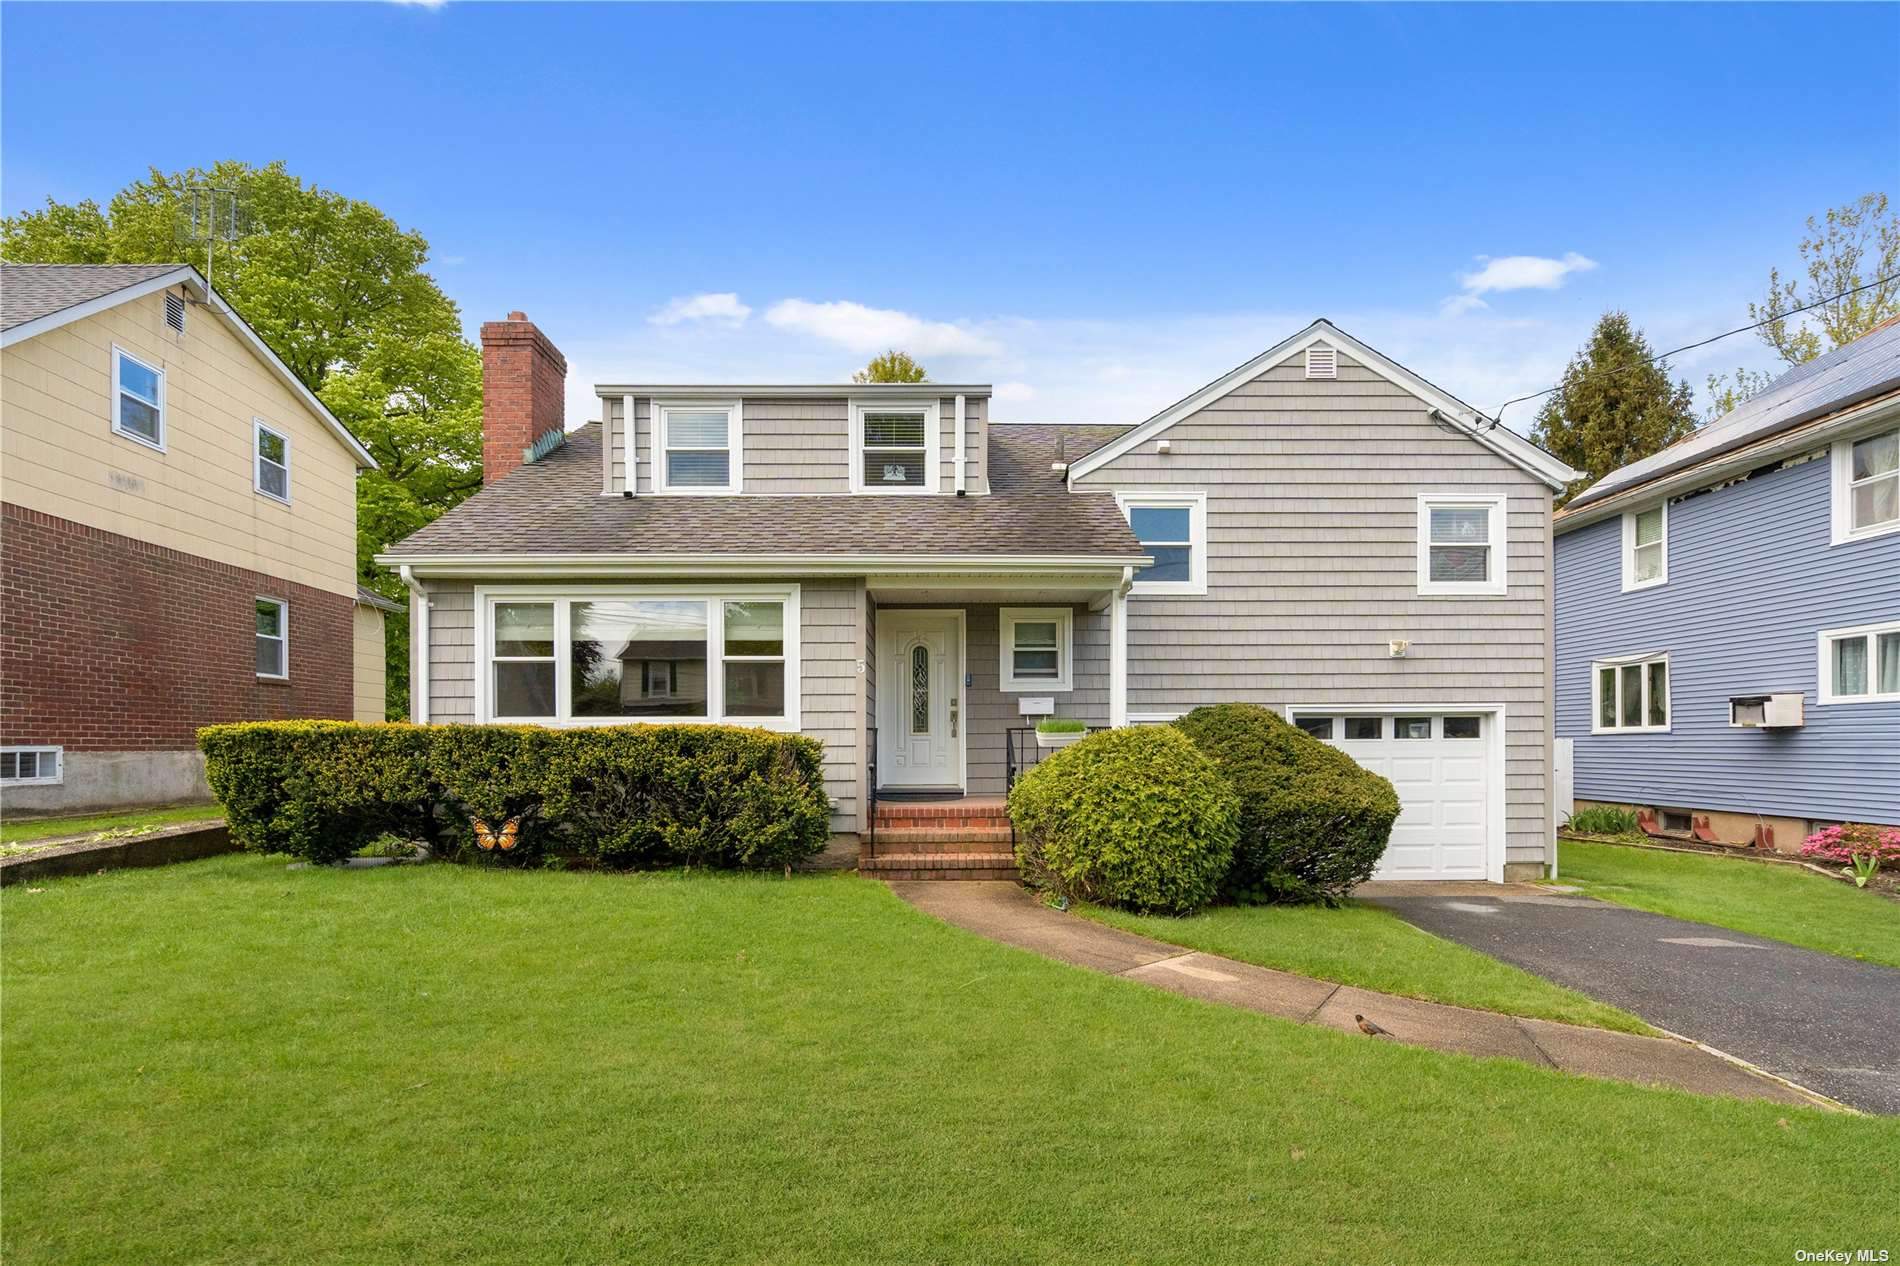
(524, 386)
(112, 644)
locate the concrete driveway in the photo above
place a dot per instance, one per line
(1827, 1023)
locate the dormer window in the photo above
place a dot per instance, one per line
(894, 446)
(697, 447)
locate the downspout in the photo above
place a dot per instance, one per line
(959, 446)
(418, 646)
(629, 462)
(1118, 651)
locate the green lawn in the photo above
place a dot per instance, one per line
(25, 832)
(1782, 902)
(1373, 949)
(229, 1062)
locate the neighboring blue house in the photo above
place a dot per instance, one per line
(1728, 612)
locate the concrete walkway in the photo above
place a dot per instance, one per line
(1007, 913)
(1829, 1023)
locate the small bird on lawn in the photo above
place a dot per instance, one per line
(1369, 1028)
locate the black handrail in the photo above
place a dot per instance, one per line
(870, 791)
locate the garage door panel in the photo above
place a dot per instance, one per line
(1444, 796)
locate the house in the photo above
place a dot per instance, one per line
(882, 567)
(180, 537)
(1728, 613)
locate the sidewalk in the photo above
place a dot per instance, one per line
(1007, 913)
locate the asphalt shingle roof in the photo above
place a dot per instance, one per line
(31, 291)
(1868, 366)
(554, 506)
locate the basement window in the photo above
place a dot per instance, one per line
(31, 766)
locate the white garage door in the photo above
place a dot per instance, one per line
(1439, 763)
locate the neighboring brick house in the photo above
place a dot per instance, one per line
(879, 566)
(179, 524)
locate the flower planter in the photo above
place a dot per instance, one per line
(1061, 738)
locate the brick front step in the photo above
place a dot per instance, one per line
(941, 866)
(941, 817)
(916, 839)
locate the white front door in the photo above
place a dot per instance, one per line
(920, 699)
(1441, 767)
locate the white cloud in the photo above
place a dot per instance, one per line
(872, 330)
(1512, 272)
(724, 308)
(1013, 392)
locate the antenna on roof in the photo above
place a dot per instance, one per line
(211, 215)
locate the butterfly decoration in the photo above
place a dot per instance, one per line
(488, 839)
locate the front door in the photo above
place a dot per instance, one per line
(920, 699)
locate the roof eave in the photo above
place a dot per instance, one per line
(509, 566)
(782, 391)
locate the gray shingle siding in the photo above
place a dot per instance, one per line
(1753, 580)
(1312, 567)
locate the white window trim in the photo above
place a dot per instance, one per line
(38, 780)
(1620, 662)
(259, 428)
(283, 634)
(735, 446)
(1064, 619)
(1165, 498)
(117, 389)
(1825, 662)
(1630, 583)
(1843, 505)
(1497, 536)
(932, 410)
(715, 597)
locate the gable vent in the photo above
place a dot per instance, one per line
(174, 312)
(1322, 362)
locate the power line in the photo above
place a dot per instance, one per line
(1690, 347)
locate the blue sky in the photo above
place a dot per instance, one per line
(1095, 208)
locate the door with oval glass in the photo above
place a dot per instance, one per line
(920, 700)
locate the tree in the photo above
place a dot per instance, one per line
(1849, 247)
(1725, 392)
(337, 289)
(1614, 406)
(892, 366)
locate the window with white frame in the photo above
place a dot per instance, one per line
(273, 638)
(697, 446)
(1862, 664)
(638, 654)
(1867, 486)
(1461, 546)
(271, 457)
(138, 399)
(1646, 547)
(31, 766)
(1038, 647)
(1172, 529)
(1630, 695)
(894, 446)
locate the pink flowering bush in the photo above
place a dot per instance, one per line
(1861, 848)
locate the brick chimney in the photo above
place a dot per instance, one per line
(524, 384)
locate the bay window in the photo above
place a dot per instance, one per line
(642, 653)
(1862, 664)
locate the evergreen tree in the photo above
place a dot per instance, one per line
(1614, 406)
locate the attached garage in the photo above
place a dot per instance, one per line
(1448, 768)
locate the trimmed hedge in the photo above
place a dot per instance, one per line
(709, 795)
(1313, 821)
(1131, 817)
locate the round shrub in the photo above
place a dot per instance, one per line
(1132, 817)
(1313, 821)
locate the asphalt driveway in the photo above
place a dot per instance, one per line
(1828, 1023)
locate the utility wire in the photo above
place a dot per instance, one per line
(1690, 347)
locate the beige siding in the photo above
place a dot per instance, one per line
(797, 446)
(452, 657)
(1312, 567)
(60, 456)
(368, 664)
